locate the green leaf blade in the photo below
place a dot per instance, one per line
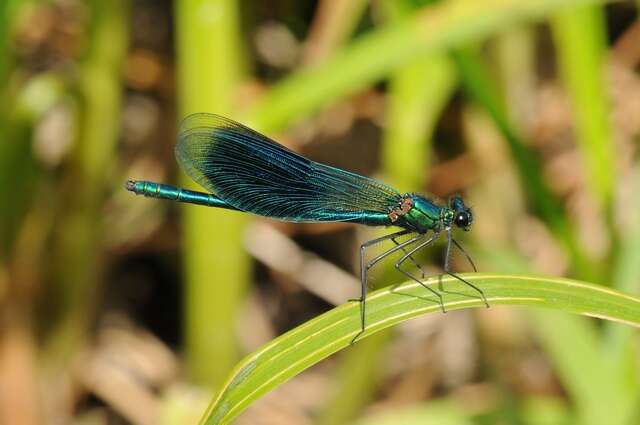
(317, 339)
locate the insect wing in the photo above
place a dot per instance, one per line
(256, 174)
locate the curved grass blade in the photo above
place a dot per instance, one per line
(293, 352)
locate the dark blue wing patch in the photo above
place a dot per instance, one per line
(256, 174)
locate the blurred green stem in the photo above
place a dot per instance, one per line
(374, 55)
(580, 37)
(80, 232)
(7, 11)
(484, 90)
(5, 51)
(333, 23)
(574, 346)
(575, 349)
(21, 239)
(418, 92)
(516, 51)
(620, 342)
(12, 149)
(216, 266)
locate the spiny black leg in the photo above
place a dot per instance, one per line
(415, 263)
(364, 268)
(410, 276)
(415, 279)
(478, 290)
(450, 273)
(455, 242)
(364, 247)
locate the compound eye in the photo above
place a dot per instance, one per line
(461, 219)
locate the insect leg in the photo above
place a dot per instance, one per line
(413, 260)
(455, 242)
(447, 270)
(407, 255)
(365, 266)
(363, 249)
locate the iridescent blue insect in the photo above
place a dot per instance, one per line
(246, 171)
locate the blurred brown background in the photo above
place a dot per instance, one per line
(120, 309)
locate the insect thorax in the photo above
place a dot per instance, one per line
(417, 213)
(447, 216)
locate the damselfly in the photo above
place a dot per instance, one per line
(246, 171)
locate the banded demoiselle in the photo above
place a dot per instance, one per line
(246, 171)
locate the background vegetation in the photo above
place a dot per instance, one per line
(119, 309)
